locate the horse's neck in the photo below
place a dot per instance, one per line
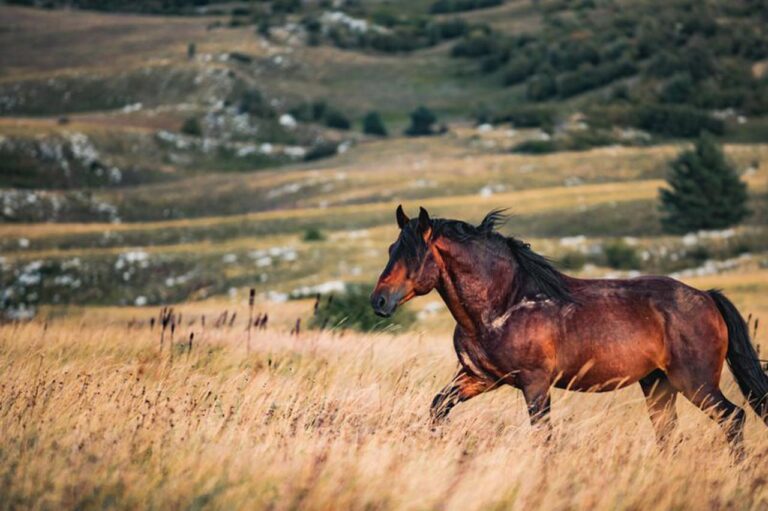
(477, 288)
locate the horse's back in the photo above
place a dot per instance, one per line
(620, 330)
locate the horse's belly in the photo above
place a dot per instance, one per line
(601, 379)
(608, 363)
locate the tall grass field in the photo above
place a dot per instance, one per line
(95, 414)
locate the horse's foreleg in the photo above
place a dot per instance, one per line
(660, 398)
(536, 392)
(463, 386)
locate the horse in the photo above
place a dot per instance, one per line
(523, 323)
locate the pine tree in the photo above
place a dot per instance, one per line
(705, 192)
(373, 125)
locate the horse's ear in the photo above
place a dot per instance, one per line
(402, 218)
(425, 224)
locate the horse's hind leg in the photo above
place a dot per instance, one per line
(660, 397)
(708, 397)
(729, 416)
(698, 350)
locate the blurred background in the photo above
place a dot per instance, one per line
(161, 152)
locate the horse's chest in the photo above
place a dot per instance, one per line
(476, 358)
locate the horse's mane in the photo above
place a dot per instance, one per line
(541, 274)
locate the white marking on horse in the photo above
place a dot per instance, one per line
(499, 322)
(467, 362)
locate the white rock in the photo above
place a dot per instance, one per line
(287, 121)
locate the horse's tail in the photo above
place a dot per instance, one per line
(742, 358)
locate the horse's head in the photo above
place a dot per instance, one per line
(412, 269)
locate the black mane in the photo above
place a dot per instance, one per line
(541, 275)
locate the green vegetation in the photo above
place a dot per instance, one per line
(705, 191)
(320, 112)
(373, 125)
(673, 120)
(321, 150)
(422, 122)
(391, 33)
(445, 6)
(683, 62)
(313, 234)
(352, 309)
(621, 256)
(572, 260)
(192, 127)
(337, 120)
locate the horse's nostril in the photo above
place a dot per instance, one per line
(381, 302)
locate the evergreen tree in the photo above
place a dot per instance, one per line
(422, 120)
(705, 191)
(373, 125)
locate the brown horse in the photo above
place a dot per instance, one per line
(521, 322)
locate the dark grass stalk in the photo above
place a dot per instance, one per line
(251, 296)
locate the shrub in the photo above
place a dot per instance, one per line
(453, 28)
(587, 139)
(321, 150)
(252, 102)
(191, 126)
(337, 120)
(493, 62)
(705, 192)
(241, 58)
(621, 256)
(263, 28)
(572, 261)
(373, 125)
(663, 64)
(313, 234)
(352, 309)
(422, 122)
(535, 147)
(589, 78)
(285, 6)
(475, 45)
(678, 89)
(309, 112)
(517, 71)
(699, 254)
(446, 6)
(620, 92)
(674, 120)
(541, 86)
(528, 117)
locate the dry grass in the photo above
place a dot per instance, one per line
(93, 417)
(523, 202)
(45, 42)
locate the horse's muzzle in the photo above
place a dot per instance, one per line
(384, 303)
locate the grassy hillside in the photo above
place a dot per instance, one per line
(194, 145)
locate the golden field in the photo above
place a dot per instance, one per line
(95, 416)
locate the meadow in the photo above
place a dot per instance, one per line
(110, 209)
(97, 414)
